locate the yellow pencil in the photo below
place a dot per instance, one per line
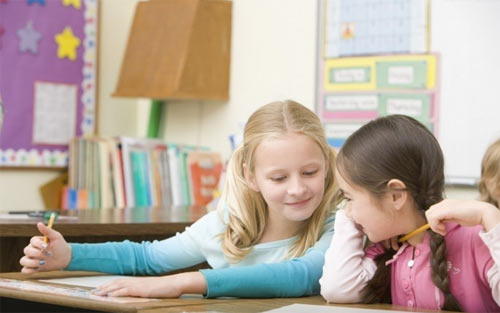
(49, 225)
(415, 232)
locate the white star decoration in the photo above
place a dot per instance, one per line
(28, 38)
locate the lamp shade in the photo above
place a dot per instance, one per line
(178, 49)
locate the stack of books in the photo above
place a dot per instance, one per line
(127, 172)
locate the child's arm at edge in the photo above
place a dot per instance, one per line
(471, 213)
(492, 241)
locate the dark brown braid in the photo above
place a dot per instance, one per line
(439, 263)
(439, 273)
(399, 147)
(378, 290)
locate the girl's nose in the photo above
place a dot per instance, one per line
(296, 187)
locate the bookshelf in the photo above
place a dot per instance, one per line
(129, 172)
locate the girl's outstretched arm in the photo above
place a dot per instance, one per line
(147, 258)
(471, 213)
(347, 269)
(132, 258)
(297, 277)
(171, 286)
(293, 278)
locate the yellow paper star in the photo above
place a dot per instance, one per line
(67, 44)
(76, 3)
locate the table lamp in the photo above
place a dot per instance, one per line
(177, 49)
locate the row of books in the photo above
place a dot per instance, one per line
(138, 172)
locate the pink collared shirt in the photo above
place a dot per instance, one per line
(473, 266)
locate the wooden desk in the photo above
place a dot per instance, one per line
(11, 300)
(135, 224)
(186, 304)
(262, 305)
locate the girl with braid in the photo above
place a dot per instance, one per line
(391, 174)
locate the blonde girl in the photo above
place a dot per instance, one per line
(489, 184)
(273, 223)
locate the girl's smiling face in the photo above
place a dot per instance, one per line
(290, 174)
(370, 214)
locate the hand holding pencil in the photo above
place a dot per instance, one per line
(46, 253)
(49, 225)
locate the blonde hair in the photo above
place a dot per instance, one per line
(247, 208)
(490, 173)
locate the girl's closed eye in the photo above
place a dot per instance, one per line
(278, 178)
(310, 173)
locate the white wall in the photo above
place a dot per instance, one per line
(273, 57)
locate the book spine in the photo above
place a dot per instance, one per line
(137, 160)
(72, 198)
(82, 199)
(64, 198)
(175, 182)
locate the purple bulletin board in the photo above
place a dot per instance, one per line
(48, 77)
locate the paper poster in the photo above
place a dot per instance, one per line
(337, 133)
(375, 26)
(54, 113)
(380, 72)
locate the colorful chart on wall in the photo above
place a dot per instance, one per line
(462, 106)
(48, 77)
(356, 90)
(363, 27)
(373, 61)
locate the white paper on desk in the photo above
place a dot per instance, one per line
(308, 308)
(84, 281)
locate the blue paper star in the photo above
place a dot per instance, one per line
(41, 2)
(28, 38)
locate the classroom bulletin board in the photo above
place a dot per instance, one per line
(436, 61)
(48, 79)
(373, 61)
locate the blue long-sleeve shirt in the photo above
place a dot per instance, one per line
(262, 273)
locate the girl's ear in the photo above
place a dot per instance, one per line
(250, 178)
(398, 193)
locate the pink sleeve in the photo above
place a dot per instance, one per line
(492, 241)
(347, 269)
(373, 250)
